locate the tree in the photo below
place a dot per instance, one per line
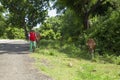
(51, 28)
(71, 29)
(26, 13)
(83, 8)
(2, 21)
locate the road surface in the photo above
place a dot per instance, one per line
(15, 63)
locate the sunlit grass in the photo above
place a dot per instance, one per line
(56, 62)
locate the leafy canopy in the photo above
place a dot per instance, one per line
(26, 12)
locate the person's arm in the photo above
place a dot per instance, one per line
(36, 36)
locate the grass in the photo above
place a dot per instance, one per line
(69, 63)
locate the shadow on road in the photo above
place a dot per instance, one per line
(14, 48)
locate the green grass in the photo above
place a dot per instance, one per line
(69, 63)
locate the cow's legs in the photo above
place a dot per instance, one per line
(92, 53)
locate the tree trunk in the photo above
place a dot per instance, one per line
(25, 32)
(87, 14)
(86, 21)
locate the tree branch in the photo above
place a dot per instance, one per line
(99, 2)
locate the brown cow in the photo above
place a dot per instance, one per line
(91, 45)
(38, 37)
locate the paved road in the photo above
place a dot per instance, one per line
(15, 63)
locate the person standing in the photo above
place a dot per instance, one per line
(32, 38)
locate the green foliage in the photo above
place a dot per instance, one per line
(2, 27)
(51, 28)
(64, 27)
(50, 47)
(71, 26)
(84, 8)
(2, 21)
(14, 33)
(26, 12)
(106, 31)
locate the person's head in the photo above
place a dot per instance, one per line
(32, 30)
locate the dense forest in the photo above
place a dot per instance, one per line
(76, 21)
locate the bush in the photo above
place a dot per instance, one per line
(14, 33)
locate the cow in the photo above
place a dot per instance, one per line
(91, 46)
(38, 38)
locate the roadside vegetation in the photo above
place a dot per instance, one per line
(68, 62)
(63, 54)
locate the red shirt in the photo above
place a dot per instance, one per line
(32, 36)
